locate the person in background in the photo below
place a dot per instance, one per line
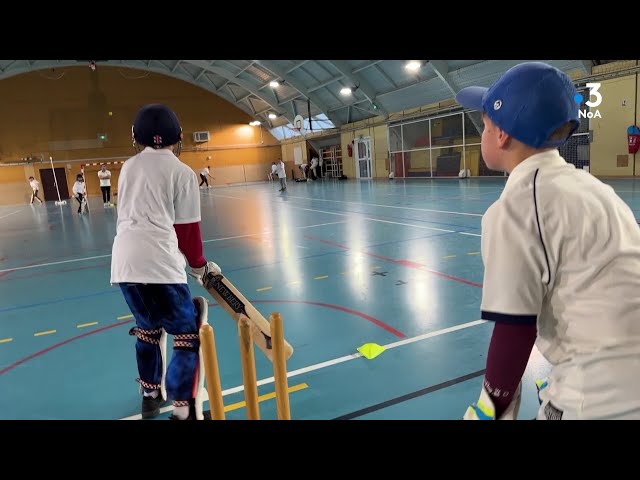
(282, 175)
(314, 167)
(79, 191)
(105, 184)
(204, 174)
(35, 187)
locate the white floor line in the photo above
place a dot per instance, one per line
(422, 227)
(358, 203)
(321, 225)
(366, 218)
(335, 361)
(53, 263)
(237, 236)
(393, 206)
(204, 241)
(12, 213)
(376, 219)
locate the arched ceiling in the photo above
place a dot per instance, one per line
(379, 87)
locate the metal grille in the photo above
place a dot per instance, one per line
(441, 146)
(576, 150)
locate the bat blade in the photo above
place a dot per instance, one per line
(235, 304)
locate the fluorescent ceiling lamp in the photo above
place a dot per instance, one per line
(413, 66)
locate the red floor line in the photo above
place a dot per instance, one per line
(404, 263)
(380, 323)
(357, 313)
(60, 344)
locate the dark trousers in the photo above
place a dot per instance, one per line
(106, 194)
(169, 307)
(79, 197)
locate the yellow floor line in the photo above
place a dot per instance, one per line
(82, 325)
(449, 256)
(321, 277)
(46, 332)
(263, 289)
(266, 396)
(6, 340)
(473, 253)
(124, 316)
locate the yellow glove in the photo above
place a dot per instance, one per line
(484, 409)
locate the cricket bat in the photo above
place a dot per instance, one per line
(230, 298)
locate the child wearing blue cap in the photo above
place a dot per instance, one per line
(561, 254)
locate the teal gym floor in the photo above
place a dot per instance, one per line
(395, 263)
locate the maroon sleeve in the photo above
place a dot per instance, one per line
(507, 360)
(190, 243)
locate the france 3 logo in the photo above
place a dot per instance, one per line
(593, 92)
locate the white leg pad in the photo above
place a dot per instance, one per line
(163, 355)
(203, 308)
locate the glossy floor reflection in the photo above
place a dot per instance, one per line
(345, 263)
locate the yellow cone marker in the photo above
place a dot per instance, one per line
(371, 350)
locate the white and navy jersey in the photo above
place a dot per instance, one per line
(105, 178)
(155, 192)
(562, 250)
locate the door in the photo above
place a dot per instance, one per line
(363, 157)
(49, 184)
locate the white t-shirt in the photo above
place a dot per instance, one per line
(78, 187)
(205, 172)
(35, 185)
(274, 168)
(280, 170)
(105, 178)
(562, 250)
(155, 192)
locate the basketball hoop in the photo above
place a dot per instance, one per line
(294, 129)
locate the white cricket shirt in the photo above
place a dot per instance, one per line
(78, 187)
(155, 192)
(35, 185)
(105, 178)
(560, 248)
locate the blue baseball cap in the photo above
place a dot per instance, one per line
(529, 102)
